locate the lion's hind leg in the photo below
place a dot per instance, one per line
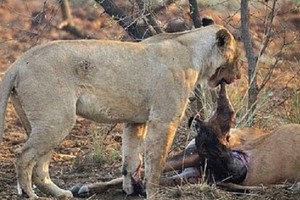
(42, 179)
(32, 160)
(24, 166)
(20, 112)
(25, 122)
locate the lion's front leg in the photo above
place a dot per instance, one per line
(158, 141)
(133, 138)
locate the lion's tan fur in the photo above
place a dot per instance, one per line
(145, 85)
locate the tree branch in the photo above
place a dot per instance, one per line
(265, 43)
(67, 24)
(247, 39)
(252, 60)
(194, 12)
(268, 29)
(135, 30)
(149, 18)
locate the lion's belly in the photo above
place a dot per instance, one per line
(106, 109)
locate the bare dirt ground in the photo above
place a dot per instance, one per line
(91, 152)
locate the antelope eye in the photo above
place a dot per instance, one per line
(227, 138)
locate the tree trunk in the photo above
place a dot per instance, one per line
(252, 61)
(194, 12)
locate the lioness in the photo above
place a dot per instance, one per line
(144, 85)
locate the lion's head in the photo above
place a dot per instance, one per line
(229, 69)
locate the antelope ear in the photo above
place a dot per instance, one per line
(191, 119)
(196, 118)
(224, 38)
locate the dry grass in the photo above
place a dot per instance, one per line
(293, 113)
(205, 192)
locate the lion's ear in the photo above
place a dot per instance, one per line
(223, 38)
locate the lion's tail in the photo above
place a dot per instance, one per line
(6, 86)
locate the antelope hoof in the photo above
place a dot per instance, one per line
(84, 191)
(75, 189)
(80, 190)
